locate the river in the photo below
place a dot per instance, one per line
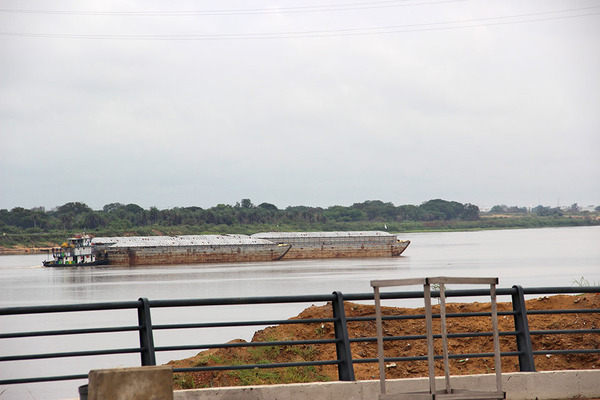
(528, 257)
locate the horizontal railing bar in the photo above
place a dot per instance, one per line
(241, 301)
(422, 316)
(283, 299)
(243, 323)
(436, 357)
(573, 311)
(69, 332)
(574, 351)
(245, 344)
(43, 379)
(562, 290)
(245, 300)
(565, 331)
(436, 336)
(434, 293)
(254, 366)
(71, 354)
(57, 308)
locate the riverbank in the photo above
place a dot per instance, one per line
(412, 348)
(24, 250)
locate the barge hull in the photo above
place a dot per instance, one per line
(193, 254)
(339, 251)
(310, 245)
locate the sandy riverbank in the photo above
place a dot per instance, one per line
(24, 250)
(282, 354)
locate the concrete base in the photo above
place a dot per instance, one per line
(141, 383)
(518, 386)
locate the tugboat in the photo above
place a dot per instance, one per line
(77, 251)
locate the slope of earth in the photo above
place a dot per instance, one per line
(401, 348)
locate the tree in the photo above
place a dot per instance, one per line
(546, 211)
(439, 209)
(112, 207)
(377, 210)
(499, 209)
(154, 215)
(470, 213)
(245, 203)
(409, 213)
(343, 214)
(268, 206)
(73, 208)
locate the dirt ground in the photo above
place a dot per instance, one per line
(402, 348)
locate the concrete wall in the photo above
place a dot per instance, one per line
(518, 386)
(138, 383)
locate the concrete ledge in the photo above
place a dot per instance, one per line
(518, 386)
(140, 383)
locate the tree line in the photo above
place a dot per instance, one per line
(117, 216)
(540, 210)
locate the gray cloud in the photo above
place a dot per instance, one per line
(491, 113)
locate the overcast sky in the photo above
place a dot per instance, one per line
(317, 103)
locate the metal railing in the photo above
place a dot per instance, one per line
(344, 360)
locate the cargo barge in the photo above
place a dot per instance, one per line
(194, 249)
(338, 244)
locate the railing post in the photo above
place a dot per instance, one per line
(526, 362)
(342, 344)
(146, 338)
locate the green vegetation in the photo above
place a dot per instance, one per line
(259, 355)
(38, 227)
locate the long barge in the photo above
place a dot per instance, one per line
(194, 249)
(338, 244)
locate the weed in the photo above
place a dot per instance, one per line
(307, 353)
(583, 282)
(255, 376)
(183, 381)
(210, 357)
(320, 330)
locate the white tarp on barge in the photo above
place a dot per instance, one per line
(186, 240)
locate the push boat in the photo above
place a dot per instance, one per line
(77, 251)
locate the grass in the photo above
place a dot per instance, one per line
(257, 355)
(184, 381)
(260, 376)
